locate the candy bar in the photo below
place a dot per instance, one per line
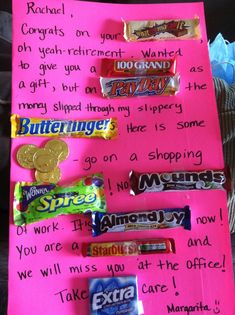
(116, 296)
(162, 30)
(137, 67)
(43, 127)
(34, 202)
(137, 221)
(171, 181)
(140, 86)
(129, 248)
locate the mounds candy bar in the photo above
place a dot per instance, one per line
(99, 128)
(162, 30)
(129, 248)
(140, 86)
(137, 67)
(35, 202)
(155, 182)
(116, 296)
(139, 221)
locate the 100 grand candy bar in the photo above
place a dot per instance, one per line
(137, 67)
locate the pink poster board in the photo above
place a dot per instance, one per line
(56, 64)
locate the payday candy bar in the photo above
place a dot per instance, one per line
(138, 67)
(139, 86)
(99, 128)
(35, 202)
(137, 221)
(162, 30)
(153, 182)
(129, 248)
(116, 296)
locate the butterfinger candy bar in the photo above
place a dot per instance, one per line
(129, 248)
(140, 86)
(35, 202)
(138, 67)
(137, 221)
(155, 182)
(99, 128)
(162, 30)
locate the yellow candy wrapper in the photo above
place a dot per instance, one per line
(135, 31)
(44, 127)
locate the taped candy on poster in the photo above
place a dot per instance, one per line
(114, 296)
(139, 221)
(90, 128)
(129, 248)
(45, 160)
(172, 181)
(35, 202)
(138, 67)
(162, 30)
(140, 86)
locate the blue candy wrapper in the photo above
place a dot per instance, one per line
(222, 57)
(113, 296)
(137, 221)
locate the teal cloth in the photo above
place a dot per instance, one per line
(222, 57)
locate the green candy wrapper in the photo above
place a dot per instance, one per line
(35, 202)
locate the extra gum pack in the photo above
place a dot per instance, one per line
(115, 296)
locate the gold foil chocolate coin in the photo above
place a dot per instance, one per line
(50, 177)
(59, 148)
(25, 155)
(44, 160)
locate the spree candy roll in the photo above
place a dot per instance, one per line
(139, 221)
(172, 181)
(44, 127)
(35, 202)
(179, 29)
(129, 248)
(137, 67)
(140, 86)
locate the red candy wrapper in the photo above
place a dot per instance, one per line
(129, 248)
(114, 68)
